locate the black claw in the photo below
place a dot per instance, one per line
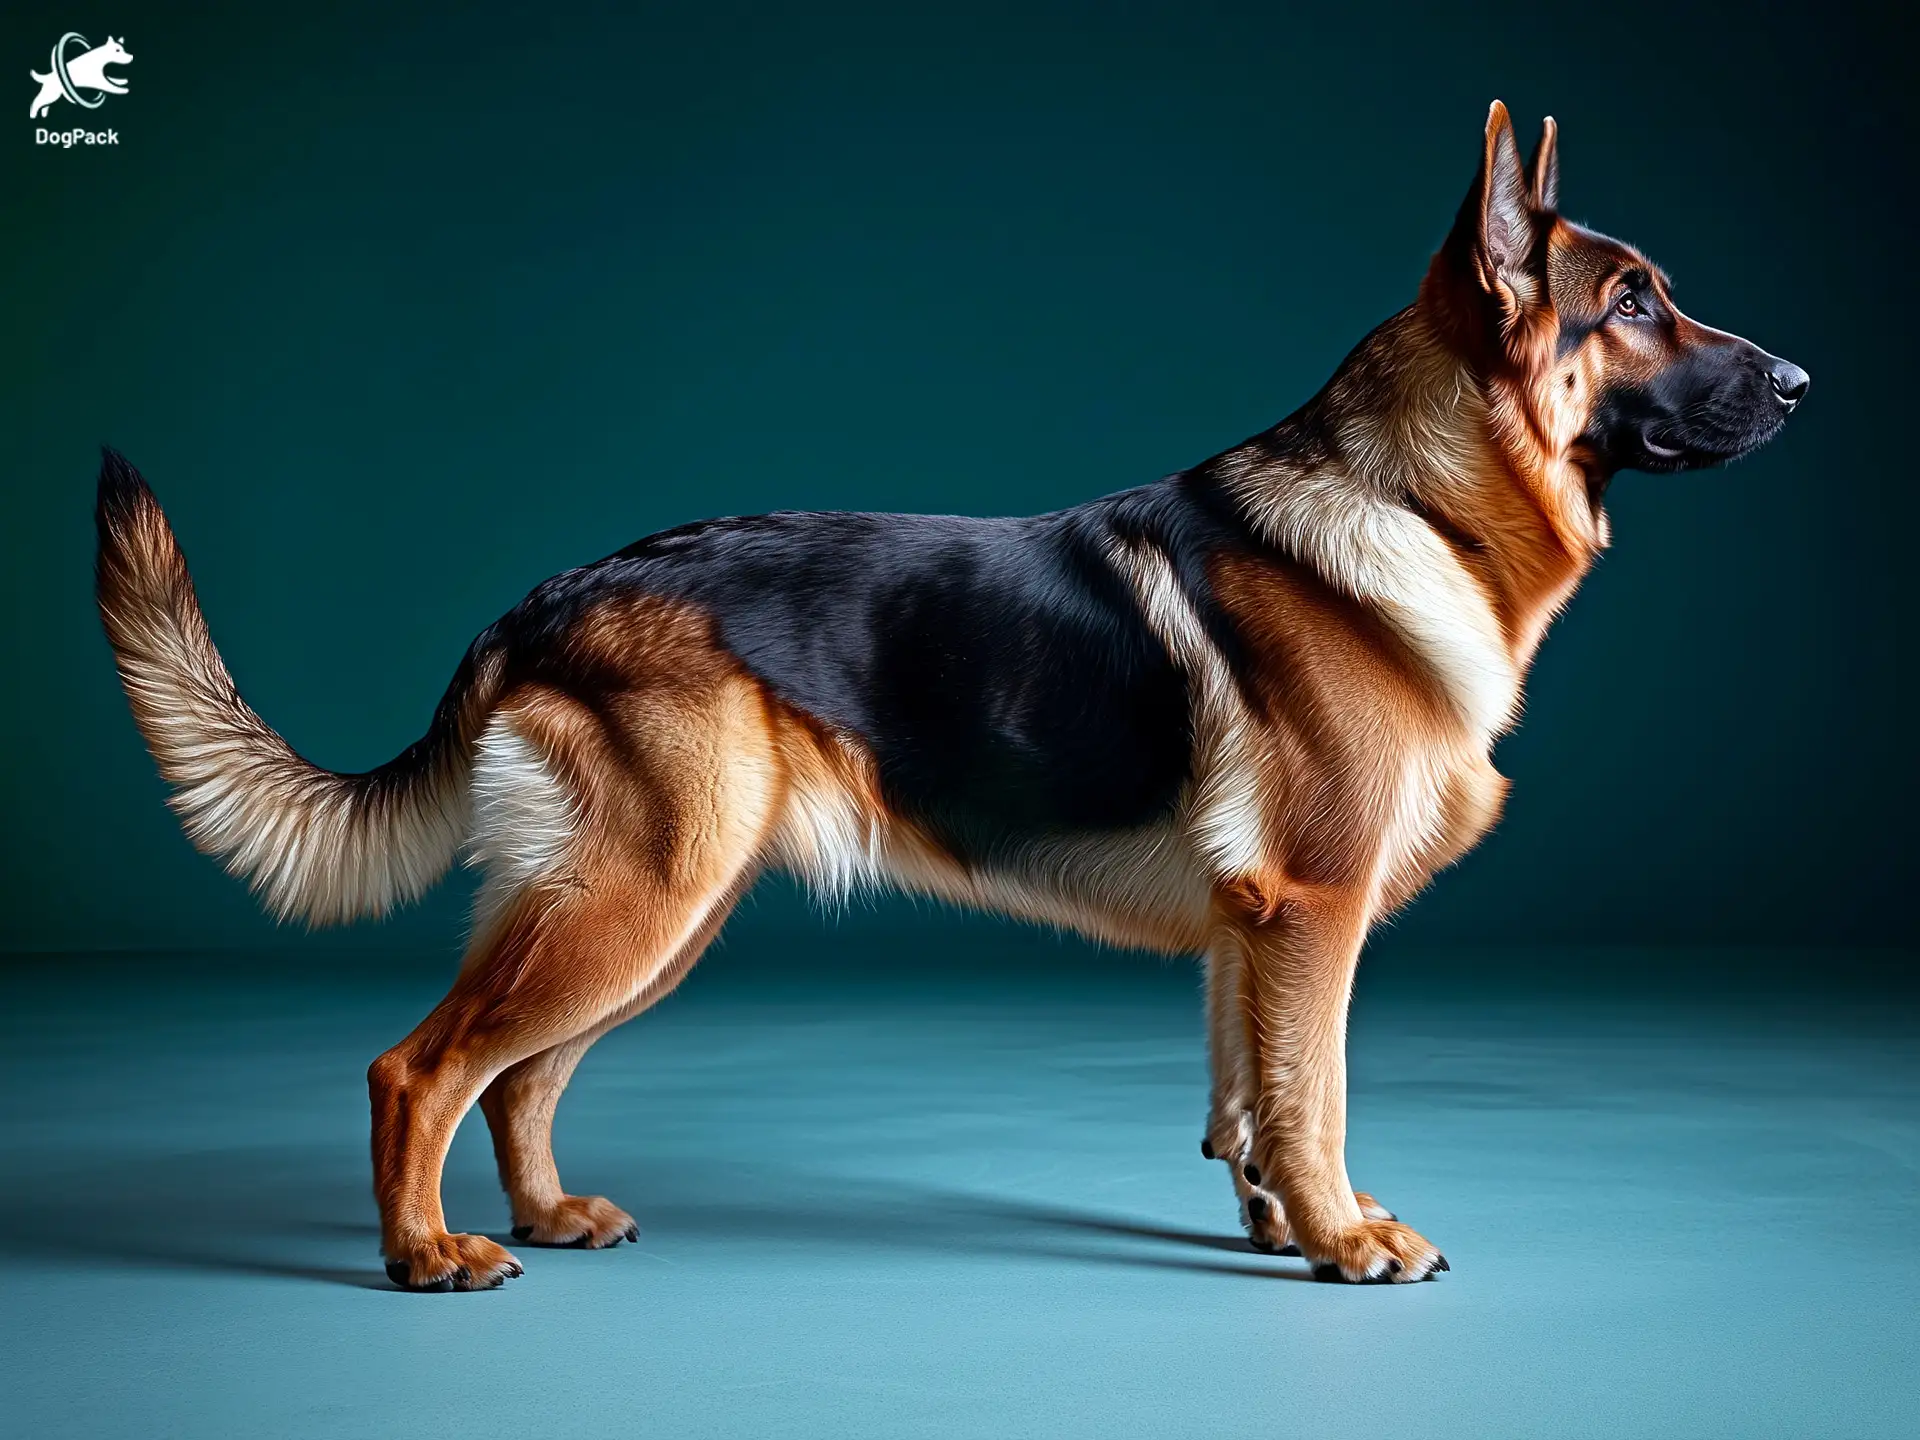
(462, 1277)
(1206, 1147)
(1261, 1243)
(1394, 1267)
(633, 1233)
(1258, 1208)
(514, 1272)
(1252, 1172)
(397, 1272)
(578, 1242)
(1441, 1264)
(1289, 1249)
(1393, 1217)
(522, 1232)
(1327, 1270)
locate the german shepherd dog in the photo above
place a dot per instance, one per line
(1242, 713)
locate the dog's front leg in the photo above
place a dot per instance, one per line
(1297, 959)
(1229, 1133)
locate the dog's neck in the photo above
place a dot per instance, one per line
(1407, 423)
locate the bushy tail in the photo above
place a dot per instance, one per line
(314, 844)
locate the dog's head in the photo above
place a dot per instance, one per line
(1612, 374)
(113, 52)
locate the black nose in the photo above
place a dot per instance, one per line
(1789, 382)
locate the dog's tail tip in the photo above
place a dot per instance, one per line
(123, 489)
(136, 552)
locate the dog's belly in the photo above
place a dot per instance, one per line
(1142, 886)
(1145, 887)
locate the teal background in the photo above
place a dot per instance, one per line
(963, 1198)
(403, 310)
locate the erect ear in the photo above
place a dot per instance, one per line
(1494, 232)
(1543, 171)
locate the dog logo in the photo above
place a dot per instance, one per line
(70, 74)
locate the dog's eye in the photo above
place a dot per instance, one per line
(1628, 306)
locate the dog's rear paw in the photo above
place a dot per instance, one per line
(440, 1263)
(581, 1222)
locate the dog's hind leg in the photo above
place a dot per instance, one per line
(519, 1106)
(612, 859)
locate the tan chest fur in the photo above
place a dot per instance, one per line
(1367, 772)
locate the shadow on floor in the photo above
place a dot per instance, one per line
(237, 1212)
(286, 1213)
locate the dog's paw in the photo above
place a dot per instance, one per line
(440, 1263)
(1265, 1219)
(581, 1222)
(1377, 1252)
(1265, 1222)
(1229, 1138)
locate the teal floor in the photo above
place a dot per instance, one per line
(968, 1201)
